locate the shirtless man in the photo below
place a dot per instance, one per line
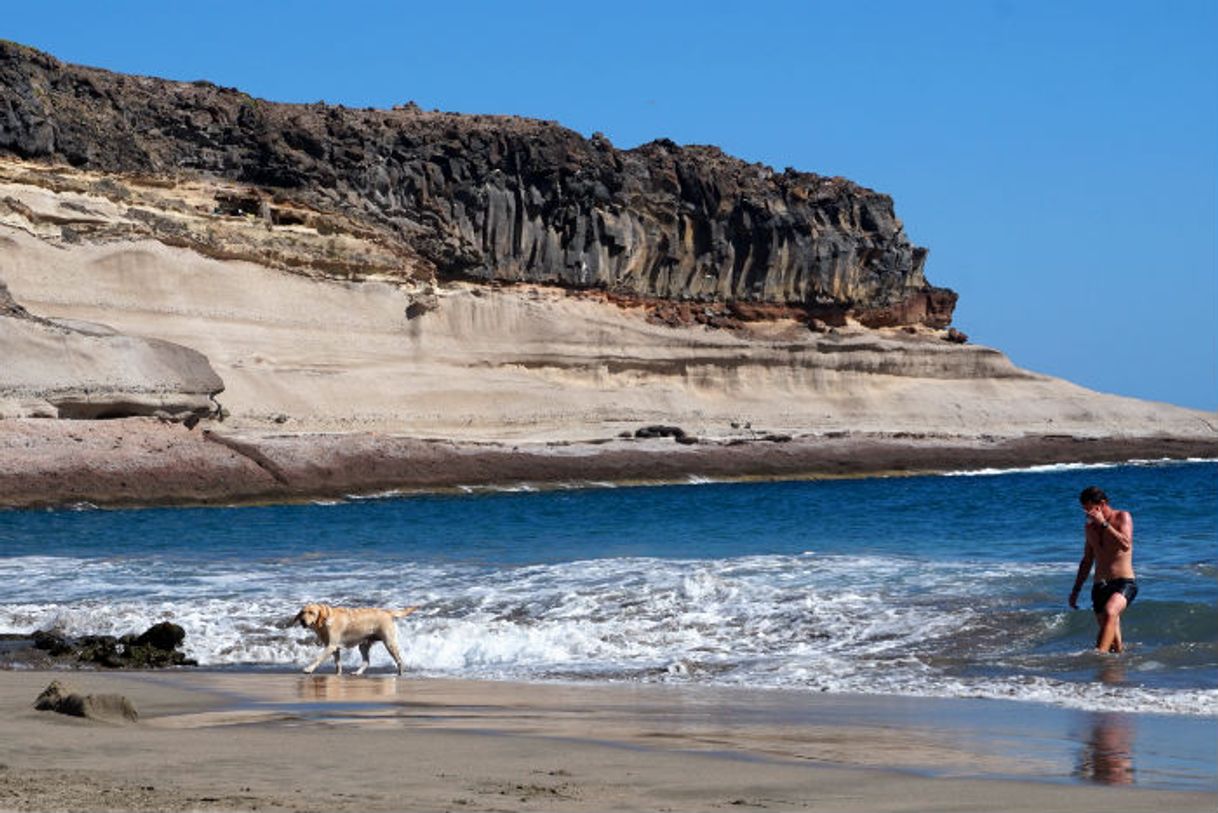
(1108, 544)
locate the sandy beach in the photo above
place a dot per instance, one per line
(140, 461)
(243, 741)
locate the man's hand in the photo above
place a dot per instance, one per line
(1073, 600)
(1094, 515)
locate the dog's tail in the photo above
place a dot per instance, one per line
(403, 612)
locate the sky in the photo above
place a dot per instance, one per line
(1059, 159)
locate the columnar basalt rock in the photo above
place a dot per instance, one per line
(495, 198)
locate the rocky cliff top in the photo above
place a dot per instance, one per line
(494, 198)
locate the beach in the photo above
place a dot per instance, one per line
(698, 494)
(244, 741)
(141, 461)
(697, 491)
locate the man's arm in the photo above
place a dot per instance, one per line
(1084, 568)
(1120, 529)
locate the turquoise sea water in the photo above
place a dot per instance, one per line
(932, 586)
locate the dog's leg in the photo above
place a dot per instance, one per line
(364, 649)
(338, 660)
(391, 643)
(325, 653)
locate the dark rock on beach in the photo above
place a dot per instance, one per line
(657, 431)
(156, 647)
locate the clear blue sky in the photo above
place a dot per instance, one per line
(1058, 158)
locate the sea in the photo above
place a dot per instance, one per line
(927, 586)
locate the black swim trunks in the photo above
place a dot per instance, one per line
(1102, 590)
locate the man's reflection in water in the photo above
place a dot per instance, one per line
(1107, 755)
(1112, 672)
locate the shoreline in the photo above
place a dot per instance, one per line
(141, 462)
(217, 740)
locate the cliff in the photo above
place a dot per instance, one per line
(409, 299)
(493, 198)
(67, 369)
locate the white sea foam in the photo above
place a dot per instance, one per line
(516, 488)
(1049, 468)
(1040, 469)
(389, 494)
(869, 624)
(700, 480)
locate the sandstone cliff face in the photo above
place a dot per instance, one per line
(66, 369)
(495, 198)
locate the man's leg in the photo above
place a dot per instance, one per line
(1110, 624)
(1118, 646)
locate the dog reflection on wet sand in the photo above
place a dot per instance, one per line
(332, 687)
(339, 627)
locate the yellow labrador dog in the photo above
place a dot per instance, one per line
(351, 626)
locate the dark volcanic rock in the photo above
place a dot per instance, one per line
(51, 643)
(156, 647)
(956, 337)
(496, 197)
(164, 636)
(657, 431)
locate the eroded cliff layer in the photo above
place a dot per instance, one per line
(68, 369)
(493, 197)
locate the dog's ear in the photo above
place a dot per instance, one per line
(323, 614)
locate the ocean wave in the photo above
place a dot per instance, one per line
(389, 494)
(1051, 468)
(514, 488)
(860, 624)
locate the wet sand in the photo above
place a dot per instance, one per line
(243, 741)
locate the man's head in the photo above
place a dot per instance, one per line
(1092, 495)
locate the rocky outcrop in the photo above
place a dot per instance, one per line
(494, 197)
(66, 369)
(157, 647)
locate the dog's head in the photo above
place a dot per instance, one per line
(312, 616)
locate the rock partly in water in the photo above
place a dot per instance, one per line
(156, 647)
(163, 636)
(109, 708)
